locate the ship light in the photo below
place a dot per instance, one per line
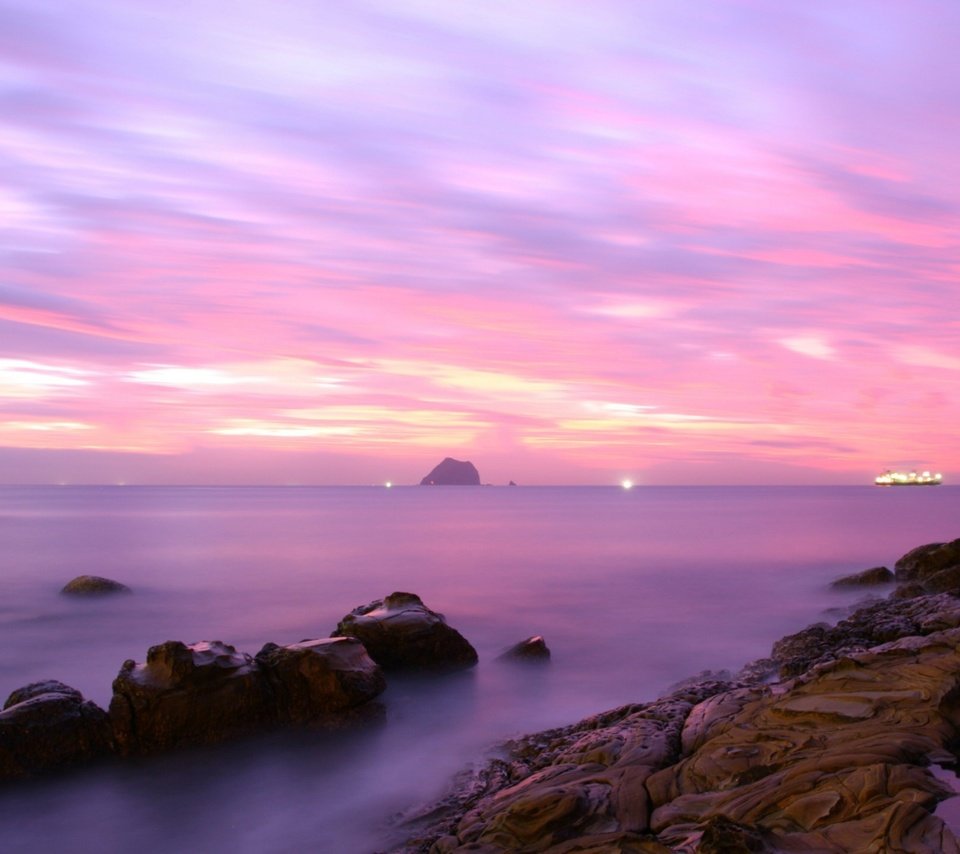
(627, 484)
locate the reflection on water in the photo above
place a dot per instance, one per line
(632, 590)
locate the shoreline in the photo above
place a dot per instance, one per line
(840, 741)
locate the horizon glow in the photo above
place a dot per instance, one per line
(658, 242)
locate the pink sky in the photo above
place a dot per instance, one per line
(300, 242)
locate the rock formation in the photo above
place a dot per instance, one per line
(867, 578)
(401, 633)
(452, 472)
(93, 585)
(208, 692)
(531, 649)
(835, 759)
(47, 725)
(933, 568)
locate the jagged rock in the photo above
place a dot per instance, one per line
(93, 585)
(188, 695)
(877, 623)
(531, 649)
(867, 578)
(921, 563)
(47, 725)
(317, 681)
(400, 632)
(451, 472)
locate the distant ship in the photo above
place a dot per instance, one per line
(908, 478)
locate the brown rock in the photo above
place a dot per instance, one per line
(400, 632)
(317, 681)
(531, 649)
(93, 585)
(187, 695)
(867, 578)
(47, 725)
(920, 563)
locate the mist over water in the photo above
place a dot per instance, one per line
(633, 591)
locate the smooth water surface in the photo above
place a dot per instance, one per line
(633, 590)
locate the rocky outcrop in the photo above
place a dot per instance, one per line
(933, 568)
(318, 681)
(452, 472)
(93, 585)
(47, 725)
(208, 692)
(401, 633)
(867, 578)
(531, 649)
(834, 760)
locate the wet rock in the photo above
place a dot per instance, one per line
(93, 585)
(451, 472)
(531, 649)
(47, 725)
(924, 561)
(318, 681)
(401, 633)
(185, 695)
(867, 578)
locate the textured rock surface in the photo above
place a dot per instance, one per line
(93, 585)
(834, 760)
(451, 472)
(867, 578)
(317, 681)
(531, 649)
(48, 725)
(186, 695)
(934, 567)
(400, 632)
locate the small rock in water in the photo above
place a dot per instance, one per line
(93, 585)
(867, 578)
(531, 649)
(401, 633)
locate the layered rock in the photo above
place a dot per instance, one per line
(47, 725)
(451, 472)
(401, 633)
(834, 760)
(93, 585)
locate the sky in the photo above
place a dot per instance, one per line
(332, 243)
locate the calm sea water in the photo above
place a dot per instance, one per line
(633, 590)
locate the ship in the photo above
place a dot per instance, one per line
(908, 478)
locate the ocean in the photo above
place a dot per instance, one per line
(633, 590)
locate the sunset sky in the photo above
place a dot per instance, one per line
(334, 242)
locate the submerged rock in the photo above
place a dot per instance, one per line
(93, 585)
(867, 578)
(451, 472)
(400, 632)
(531, 649)
(47, 725)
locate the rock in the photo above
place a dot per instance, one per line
(867, 578)
(188, 695)
(452, 472)
(924, 561)
(47, 725)
(532, 649)
(400, 632)
(93, 585)
(511, 483)
(317, 681)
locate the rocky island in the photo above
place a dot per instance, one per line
(451, 472)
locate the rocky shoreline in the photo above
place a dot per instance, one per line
(829, 745)
(840, 740)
